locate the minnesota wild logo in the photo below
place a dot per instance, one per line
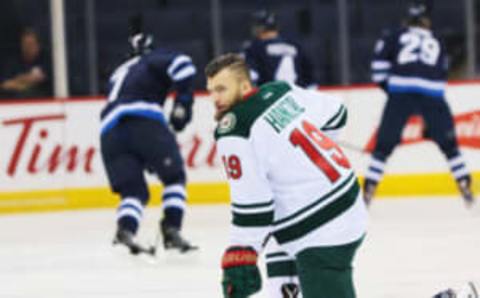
(227, 123)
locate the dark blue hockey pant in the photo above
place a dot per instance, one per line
(134, 145)
(436, 115)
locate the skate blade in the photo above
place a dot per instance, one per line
(123, 252)
(180, 251)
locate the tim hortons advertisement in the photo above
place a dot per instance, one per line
(51, 148)
(56, 144)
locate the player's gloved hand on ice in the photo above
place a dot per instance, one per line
(241, 277)
(181, 115)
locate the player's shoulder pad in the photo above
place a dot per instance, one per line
(290, 40)
(239, 120)
(389, 33)
(159, 56)
(161, 52)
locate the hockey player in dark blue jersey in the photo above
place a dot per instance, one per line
(135, 136)
(411, 65)
(272, 57)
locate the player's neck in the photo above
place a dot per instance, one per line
(268, 35)
(420, 29)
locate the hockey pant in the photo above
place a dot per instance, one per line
(137, 144)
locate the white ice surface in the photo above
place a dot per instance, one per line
(414, 248)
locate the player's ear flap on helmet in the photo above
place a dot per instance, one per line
(141, 43)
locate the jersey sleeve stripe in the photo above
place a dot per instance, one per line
(253, 211)
(176, 62)
(252, 220)
(185, 72)
(336, 116)
(180, 67)
(249, 206)
(380, 65)
(276, 255)
(379, 77)
(339, 122)
(319, 217)
(337, 119)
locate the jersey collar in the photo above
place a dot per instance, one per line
(421, 31)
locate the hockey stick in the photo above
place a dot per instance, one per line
(352, 147)
(154, 246)
(137, 249)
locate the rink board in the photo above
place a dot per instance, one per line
(49, 158)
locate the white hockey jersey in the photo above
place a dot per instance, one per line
(287, 177)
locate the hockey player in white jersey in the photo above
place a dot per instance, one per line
(287, 179)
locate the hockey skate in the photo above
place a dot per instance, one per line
(125, 238)
(464, 185)
(468, 291)
(173, 240)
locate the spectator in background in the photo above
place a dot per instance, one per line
(30, 75)
(272, 57)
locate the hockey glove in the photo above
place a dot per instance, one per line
(241, 277)
(181, 115)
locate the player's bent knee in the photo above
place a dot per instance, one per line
(174, 177)
(449, 148)
(136, 191)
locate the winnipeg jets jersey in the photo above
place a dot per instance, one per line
(278, 59)
(411, 60)
(286, 176)
(140, 85)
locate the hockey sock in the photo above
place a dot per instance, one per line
(375, 170)
(174, 204)
(129, 214)
(173, 217)
(282, 275)
(458, 167)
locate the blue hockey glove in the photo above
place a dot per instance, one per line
(181, 115)
(241, 277)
